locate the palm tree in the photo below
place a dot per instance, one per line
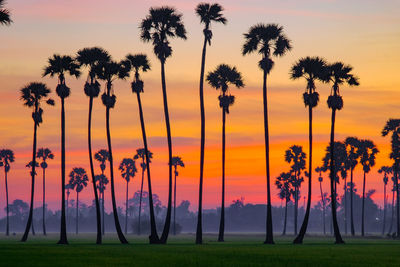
(89, 57)
(311, 69)
(6, 157)
(78, 180)
(102, 157)
(67, 188)
(33, 95)
(267, 40)
(160, 25)
(60, 66)
(44, 154)
(392, 217)
(367, 159)
(176, 161)
(208, 13)
(108, 72)
(338, 74)
(128, 171)
(386, 170)
(223, 76)
(141, 154)
(320, 179)
(353, 153)
(4, 14)
(29, 165)
(285, 192)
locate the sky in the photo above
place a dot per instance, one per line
(362, 33)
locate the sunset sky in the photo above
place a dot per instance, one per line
(363, 33)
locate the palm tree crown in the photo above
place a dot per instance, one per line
(102, 156)
(44, 154)
(78, 179)
(141, 153)
(138, 62)
(128, 169)
(6, 157)
(4, 14)
(367, 154)
(209, 13)
(385, 170)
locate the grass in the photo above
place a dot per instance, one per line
(238, 250)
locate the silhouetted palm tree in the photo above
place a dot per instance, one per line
(140, 154)
(386, 170)
(4, 14)
(220, 79)
(33, 95)
(44, 154)
(108, 72)
(163, 23)
(176, 161)
(78, 180)
(60, 66)
(89, 57)
(285, 192)
(320, 179)
(208, 13)
(392, 217)
(338, 74)
(102, 157)
(29, 166)
(128, 171)
(6, 157)
(67, 188)
(311, 69)
(268, 40)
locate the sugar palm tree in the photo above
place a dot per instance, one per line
(220, 79)
(33, 95)
(176, 161)
(108, 72)
(285, 192)
(4, 14)
(60, 66)
(208, 13)
(102, 157)
(353, 154)
(158, 26)
(44, 154)
(339, 74)
(128, 171)
(78, 180)
(89, 57)
(312, 69)
(6, 157)
(267, 40)
(386, 170)
(320, 179)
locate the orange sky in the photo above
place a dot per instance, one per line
(361, 33)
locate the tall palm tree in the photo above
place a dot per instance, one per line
(393, 126)
(311, 69)
(176, 161)
(220, 79)
(60, 66)
(353, 154)
(6, 157)
(44, 154)
(208, 13)
(139, 62)
(108, 72)
(32, 96)
(89, 57)
(268, 40)
(339, 74)
(4, 14)
(141, 154)
(78, 180)
(386, 170)
(367, 159)
(158, 26)
(285, 192)
(320, 179)
(102, 157)
(128, 171)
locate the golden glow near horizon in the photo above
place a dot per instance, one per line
(364, 34)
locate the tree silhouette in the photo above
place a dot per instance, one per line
(268, 40)
(386, 170)
(220, 79)
(102, 157)
(29, 165)
(158, 26)
(32, 96)
(6, 157)
(320, 179)
(78, 180)
(311, 69)
(4, 14)
(128, 171)
(283, 183)
(207, 13)
(176, 161)
(44, 154)
(89, 57)
(392, 217)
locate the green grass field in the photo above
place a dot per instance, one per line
(237, 250)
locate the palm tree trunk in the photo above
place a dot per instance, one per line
(153, 238)
(303, 229)
(126, 209)
(121, 236)
(67, 215)
(296, 201)
(351, 203)
(392, 219)
(222, 220)
(345, 205)
(140, 199)
(175, 202)
(33, 226)
(77, 213)
(362, 208)
(96, 197)
(336, 230)
(63, 231)
(7, 209)
(323, 206)
(384, 209)
(398, 202)
(199, 229)
(285, 221)
(44, 201)
(164, 236)
(102, 206)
